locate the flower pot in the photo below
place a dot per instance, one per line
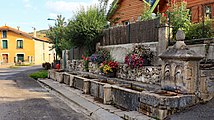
(111, 74)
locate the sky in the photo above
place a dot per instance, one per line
(29, 14)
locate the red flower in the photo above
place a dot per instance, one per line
(113, 64)
(85, 58)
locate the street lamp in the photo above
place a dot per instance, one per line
(56, 41)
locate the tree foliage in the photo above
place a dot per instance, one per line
(179, 17)
(56, 35)
(85, 28)
(147, 14)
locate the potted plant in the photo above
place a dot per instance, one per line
(109, 69)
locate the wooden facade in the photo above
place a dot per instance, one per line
(200, 9)
(127, 11)
(131, 10)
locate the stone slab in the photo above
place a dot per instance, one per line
(92, 109)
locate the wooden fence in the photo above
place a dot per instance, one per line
(76, 53)
(139, 32)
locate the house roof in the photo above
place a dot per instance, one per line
(115, 5)
(8, 28)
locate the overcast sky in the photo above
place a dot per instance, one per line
(34, 13)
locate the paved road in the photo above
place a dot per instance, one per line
(22, 98)
(198, 112)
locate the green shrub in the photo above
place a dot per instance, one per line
(39, 74)
(197, 30)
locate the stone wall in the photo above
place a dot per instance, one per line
(145, 74)
(160, 106)
(125, 98)
(119, 52)
(203, 49)
(75, 65)
(93, 68)
(207, 77)
(211, 51)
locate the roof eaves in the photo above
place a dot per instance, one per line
(38, 39)
(114, 7)
(15, 31)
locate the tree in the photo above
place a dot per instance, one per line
(85, 28)
(179, 17)
(56, 35)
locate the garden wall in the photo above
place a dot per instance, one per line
(201, 49)
(145, 74)
(208, 87)
(118, 52)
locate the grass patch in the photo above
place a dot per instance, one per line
(39, 74)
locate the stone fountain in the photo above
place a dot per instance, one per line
(180, 69)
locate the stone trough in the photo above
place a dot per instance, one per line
(149, 101)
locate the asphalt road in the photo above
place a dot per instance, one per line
(22, 98)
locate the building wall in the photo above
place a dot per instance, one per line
(43, 52)
(128, 11)
(196, 7)
(12, 51)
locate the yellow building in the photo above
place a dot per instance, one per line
(17, 46)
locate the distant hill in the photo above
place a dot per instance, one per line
(40, 33)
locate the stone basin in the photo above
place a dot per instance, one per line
(166, 93)
(149, 100)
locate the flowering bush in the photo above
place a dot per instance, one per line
(113, 65)
(97, 58)
(86, 61)
(134, 60)
(108, 67)
(100, 56)
(139, 57)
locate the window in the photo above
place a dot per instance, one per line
(5, 58)
(20, 57)
(43, 45)
(208, 11)
(20, 44)
(125, 22)
(43, 56)
(4, 44)
(4, 34)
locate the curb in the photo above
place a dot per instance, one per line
(69, 96)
